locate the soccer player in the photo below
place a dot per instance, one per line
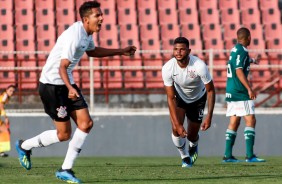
(4, 120)
(240, 98)
(188, 85)
(62, 99)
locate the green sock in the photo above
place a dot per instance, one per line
(230, 137)
(250, 141)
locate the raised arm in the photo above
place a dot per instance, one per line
(104, 52)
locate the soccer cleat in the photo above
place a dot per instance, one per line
(193, 152)
(254, 158)
(2, 154)
(187, 162)
(231, 159)
(67, 175)
(24, 156)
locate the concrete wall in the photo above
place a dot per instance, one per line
(148, 135)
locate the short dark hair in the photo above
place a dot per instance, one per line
(11, 86)
(243, 33)
(181, 40)
(86, 7)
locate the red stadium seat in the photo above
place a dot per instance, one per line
(147, 16)
(7, 58)
(196, 47)
(61, 28)
(191, 31)
(112, 78)
(209, 16)
(247, 4)
(272, 31)
(149, 31)
(24, 32)
(45, 16)
(152, 46)
(211, 31)
(133, 78)
(229, 16)
(169, 32)
(188, 16)
(44, 4)
(7, 78)
(127, 16)
(167, 4)
(65, 4)
(44, 45)
(207, 4)
(124, 4)
(230, 43)
(46, 32)
(167, 45)
(6, 16)
(24, 4)
(108, 4)
(153, 77)
(85, 76)
(216, 45)
(168, 16)
(184, 4)
(146, 4)
(26, 46)
(109, 36)
(129, 32)
(257, 44)
(6, 4)
(227, 4)
(65, 16)
(250, 16)
(28, 79)
(275, 44)
(6, 32)
(24, 16)
(109, 16)
(256, 30)
(230, 31)
(268, 4)
(270, 16)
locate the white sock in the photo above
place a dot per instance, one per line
(44, 139)
(74, 148)
(180, 143)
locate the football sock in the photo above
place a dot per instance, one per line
(250, 141)
(44, 139)
(230, 137)
(180, 143)
(74, 148)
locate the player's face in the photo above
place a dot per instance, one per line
(10, 91)
(181, 52)
(248, 40)
(94, 21)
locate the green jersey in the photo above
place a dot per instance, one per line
(239, 58)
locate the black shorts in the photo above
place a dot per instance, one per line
(56, 102)
(194, 111)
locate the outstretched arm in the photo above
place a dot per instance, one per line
(104, 52)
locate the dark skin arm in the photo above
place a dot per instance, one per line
(211, 101)
(172, 110)
(104, 52)
(243, 79)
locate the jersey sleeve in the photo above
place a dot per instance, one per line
(167, 78)
(69, 47)
(204, 73)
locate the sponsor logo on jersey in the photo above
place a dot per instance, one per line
(228, 95)
(62, 112)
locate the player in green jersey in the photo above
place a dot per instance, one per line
(240, 98)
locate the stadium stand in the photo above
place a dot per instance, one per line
(166, 4)
(44, 4)
(250, 16)
(188, 16)
(168, 16)
(126, 12)
(270, 16)
(207, 4)
(248, 4)
(272, 31)
(230, 16)
(209, 16)
(190, 4)
(45, 16)
(228, 4)
(147, 16)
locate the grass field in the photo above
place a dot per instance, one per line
(145, 170)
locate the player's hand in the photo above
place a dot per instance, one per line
(129, 51)
(73, 94)
(181, 131)
(206, 124)
(252, 94)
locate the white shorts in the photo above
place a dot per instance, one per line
(240, 108)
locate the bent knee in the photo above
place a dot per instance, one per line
(64, 136)
(86, 126)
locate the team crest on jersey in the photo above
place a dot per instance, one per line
(62, 112)
(191, 73)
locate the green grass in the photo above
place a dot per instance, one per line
(207, 170)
